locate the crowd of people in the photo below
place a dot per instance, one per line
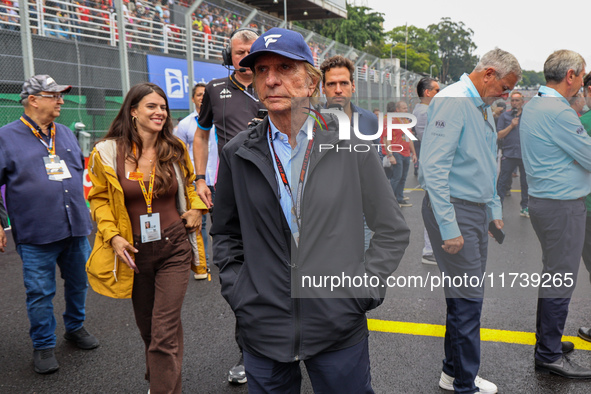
(291, 198)
(147, 22)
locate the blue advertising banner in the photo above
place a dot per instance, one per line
(172, 76)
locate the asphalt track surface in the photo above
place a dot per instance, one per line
(405, 356)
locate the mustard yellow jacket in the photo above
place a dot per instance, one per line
(107, 204)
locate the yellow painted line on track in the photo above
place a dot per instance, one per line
(421, 190)
(486, 334)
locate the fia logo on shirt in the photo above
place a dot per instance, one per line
(440, 124)
(225, 93)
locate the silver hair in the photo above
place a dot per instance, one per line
(559, 62)
(25, 102)
(244, 36)
(503, 62)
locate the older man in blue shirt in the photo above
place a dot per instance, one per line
(557, 158)
(458, 172)
(42, 167)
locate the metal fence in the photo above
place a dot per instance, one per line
(78, 44)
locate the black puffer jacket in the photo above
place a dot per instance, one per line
(260, 266)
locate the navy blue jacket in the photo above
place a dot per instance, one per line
(261, 269)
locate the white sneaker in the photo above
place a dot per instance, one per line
(446, 382)
(429, 259)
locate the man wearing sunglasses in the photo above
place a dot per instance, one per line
(42, 167)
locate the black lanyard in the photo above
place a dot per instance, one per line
(256, 100)
(297, 203)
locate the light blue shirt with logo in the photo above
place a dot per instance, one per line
(292, 160)
(458, 154)
(555, 147)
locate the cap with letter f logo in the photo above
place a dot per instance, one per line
(270, 39)
(284, 42)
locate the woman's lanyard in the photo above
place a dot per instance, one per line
(140, 178)
(51, 146)
(256, 100)
(297, 203)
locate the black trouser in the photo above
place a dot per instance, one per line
(560, 226)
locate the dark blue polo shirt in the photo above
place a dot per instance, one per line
(511, 143)
(42, 211)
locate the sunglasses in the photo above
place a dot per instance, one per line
(56, 97)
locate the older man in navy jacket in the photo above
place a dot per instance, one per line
(290, 201)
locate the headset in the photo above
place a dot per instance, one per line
(227, 51)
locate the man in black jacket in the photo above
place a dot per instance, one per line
(288, 235)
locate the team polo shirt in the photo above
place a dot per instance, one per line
(229, 106)
(459, 154)
(42, 211)
(555, 147)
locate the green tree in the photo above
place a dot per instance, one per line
(416, 61)
(362, 28)
(532, 78)
(421, 45)
(456, 48)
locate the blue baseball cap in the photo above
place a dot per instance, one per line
(284, 42)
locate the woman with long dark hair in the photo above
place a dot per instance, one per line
(146, 210)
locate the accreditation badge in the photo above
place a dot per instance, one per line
(150, 227)
(56, 169)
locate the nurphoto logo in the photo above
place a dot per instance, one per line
(394, 122)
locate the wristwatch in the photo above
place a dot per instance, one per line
(200, 177)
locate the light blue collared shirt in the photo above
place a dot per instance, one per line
(459, 154)
(292, 160)
(552, 139)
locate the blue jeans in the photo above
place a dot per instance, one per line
(39, 263)
(398, 179)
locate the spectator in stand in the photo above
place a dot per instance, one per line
(4, 18)
(63, 27)
(33, 16)
(50, 10)
(157, 31)
(143, 26)
(404, 153)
